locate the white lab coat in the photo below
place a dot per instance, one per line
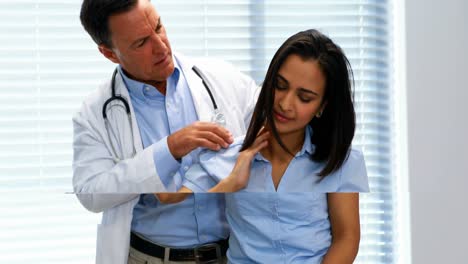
(113, 188)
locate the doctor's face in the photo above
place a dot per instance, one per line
(140, 44)
(298, 95)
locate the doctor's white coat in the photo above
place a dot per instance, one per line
(102, 185)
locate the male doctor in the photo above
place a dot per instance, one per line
(119, 162)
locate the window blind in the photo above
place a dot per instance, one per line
(48, 64)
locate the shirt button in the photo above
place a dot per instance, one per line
(186, 168)
(147, 88)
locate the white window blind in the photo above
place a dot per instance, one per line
(48, 64)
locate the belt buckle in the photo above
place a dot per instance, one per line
(206, 248)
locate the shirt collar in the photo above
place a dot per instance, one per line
(307, 147)
(137, 88)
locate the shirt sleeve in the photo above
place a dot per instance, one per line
(166, 165)
(211, 169)
(197, 179)
(353, 174)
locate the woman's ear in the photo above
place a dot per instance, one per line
(320, 112)
(108, 53)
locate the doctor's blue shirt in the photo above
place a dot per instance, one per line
(287, 225)
(200, 218)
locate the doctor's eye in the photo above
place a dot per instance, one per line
(141, 43)
(158, 29)
(159, 26)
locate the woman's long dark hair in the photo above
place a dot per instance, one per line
(333, 132)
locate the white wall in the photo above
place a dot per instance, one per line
(437, 93)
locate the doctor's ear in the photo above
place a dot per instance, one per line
(108, 53)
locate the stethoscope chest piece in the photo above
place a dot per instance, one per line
(218, 118)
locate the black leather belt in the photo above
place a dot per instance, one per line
(206, 253)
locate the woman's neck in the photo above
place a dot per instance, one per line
(275, 153)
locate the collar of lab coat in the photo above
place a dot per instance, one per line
(201, 98)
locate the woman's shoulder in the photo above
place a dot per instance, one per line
(355, 157)
(353, 173)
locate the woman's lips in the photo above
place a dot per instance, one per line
(281, 118)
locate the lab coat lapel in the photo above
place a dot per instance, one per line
(201, 98)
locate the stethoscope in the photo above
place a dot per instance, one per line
(217, 117)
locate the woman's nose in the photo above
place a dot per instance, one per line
(285, 102)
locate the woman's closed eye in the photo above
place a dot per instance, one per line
(305, 99)
(281, 87)
(306, 95)
(281, 83)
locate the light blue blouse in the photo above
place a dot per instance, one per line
(288, 225)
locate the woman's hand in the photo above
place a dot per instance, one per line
(239, 177)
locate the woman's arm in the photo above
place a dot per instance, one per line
(343, 209)
(232, 183)
(229, 184)
(239, 177)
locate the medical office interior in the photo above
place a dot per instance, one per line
(409, 60)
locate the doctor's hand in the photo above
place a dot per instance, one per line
(239, 177)
(199, 134)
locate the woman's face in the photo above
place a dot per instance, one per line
(298, 96)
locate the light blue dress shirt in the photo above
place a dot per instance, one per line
(287, 225)
(200, 218)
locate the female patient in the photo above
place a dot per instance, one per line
(293, 180)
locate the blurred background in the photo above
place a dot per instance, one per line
(409, 60)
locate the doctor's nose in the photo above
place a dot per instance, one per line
(159, 45)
